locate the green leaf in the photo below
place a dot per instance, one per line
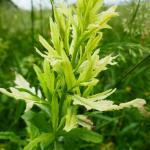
(63, 18)
(92, 44)
(86, 135)
(71, 120)
(105, 16)
(4, 91)
(68, 73)
(24, 95)
(85, 122)
(101, 96)
(36, 122)
(54, 112)
(22, 83)
(47, 46)
(55, 35)
(92, 82)
(41, 76)
(106, 105)
(49, 77)
(53, 59)
(29, 98)
(62, 123)
(91, 67)
(9, 136)
(44, 138)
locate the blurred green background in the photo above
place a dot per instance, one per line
(129, 38)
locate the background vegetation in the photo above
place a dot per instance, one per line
(129, 38)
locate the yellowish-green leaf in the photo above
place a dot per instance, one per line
(68, 73)
(101, 96)
(47, 46)
(54, 112)
(49, 77)
(84, 121)
(41, 76)
(71, 120)
(92, 82)
(43, 138)
(106, 105)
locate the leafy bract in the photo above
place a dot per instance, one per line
(23, 91)
(106, 105)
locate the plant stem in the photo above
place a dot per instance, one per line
(32, 22)
(41, 17)
(132, 70)
(52, 3)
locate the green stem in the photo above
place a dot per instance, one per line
(52, 3)
(41, 17)
(32, 21)
(135, 14)
(132, 70)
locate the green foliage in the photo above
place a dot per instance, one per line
(9, 136)
(57, 112)
(132, 48)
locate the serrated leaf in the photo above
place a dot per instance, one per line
(106, 105)
(29, 98)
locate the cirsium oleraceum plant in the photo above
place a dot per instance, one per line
(69, 74)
